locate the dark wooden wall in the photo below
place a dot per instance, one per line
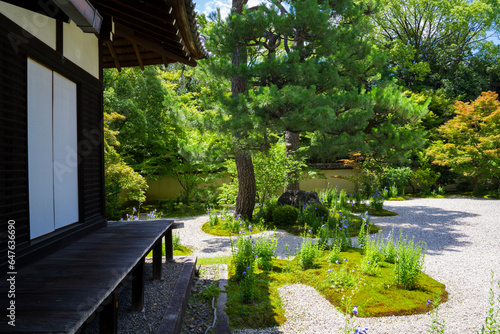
(13, 145)
(16, 45)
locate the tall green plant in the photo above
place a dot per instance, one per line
(409, 262)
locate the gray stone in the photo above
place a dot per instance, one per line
(297, 198)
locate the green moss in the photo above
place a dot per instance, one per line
(373, 212)
(220, 231)
(213, 260)
(376, 296)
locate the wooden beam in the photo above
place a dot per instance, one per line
(59, 36)
(113, 54)
(157, 18)
(157, 263)
(138, 286)
(156, 33)
(109, 315)
(169, 250)
(130, 35)
(184, 27)
(160, 13)
(138, 55)
(164, 59)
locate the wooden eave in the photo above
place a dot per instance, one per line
(149, 32)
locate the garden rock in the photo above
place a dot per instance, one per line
(297, 198)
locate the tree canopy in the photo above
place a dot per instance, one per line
(308, 66)
(471, 144)
(431, 43)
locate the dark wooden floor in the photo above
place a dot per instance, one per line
(58, 293)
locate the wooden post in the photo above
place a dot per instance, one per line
(157, 256)
(169, 251)
(109, 315)
(138, 287)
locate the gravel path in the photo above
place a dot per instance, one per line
(463, 248)
(157, 295)
(206, 245)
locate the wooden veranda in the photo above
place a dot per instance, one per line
(58, 293)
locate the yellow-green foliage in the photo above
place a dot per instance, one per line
(471, 145)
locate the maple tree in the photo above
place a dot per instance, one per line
(471, 145)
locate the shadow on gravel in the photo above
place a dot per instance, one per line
(437, 227)
(215, 245)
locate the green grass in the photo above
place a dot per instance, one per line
(376, 296)
(179, 250)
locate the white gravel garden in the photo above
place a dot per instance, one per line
(463, 252)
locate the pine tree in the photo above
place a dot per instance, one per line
(301, 66)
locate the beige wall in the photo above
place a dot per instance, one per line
(40, 26)
(333, 177)
(168, 187)
(79, 47)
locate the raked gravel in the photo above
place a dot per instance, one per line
(463, 248)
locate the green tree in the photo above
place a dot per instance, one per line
(471, 145)
(160, 133)
(432, 43)
(119, 177)
(300, 66)
(148, 134)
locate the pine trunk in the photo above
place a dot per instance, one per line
(291, 147)
(245, 201)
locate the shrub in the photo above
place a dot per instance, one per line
(268, 212)
(285, 215)
(424, 178)
(397, 177)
